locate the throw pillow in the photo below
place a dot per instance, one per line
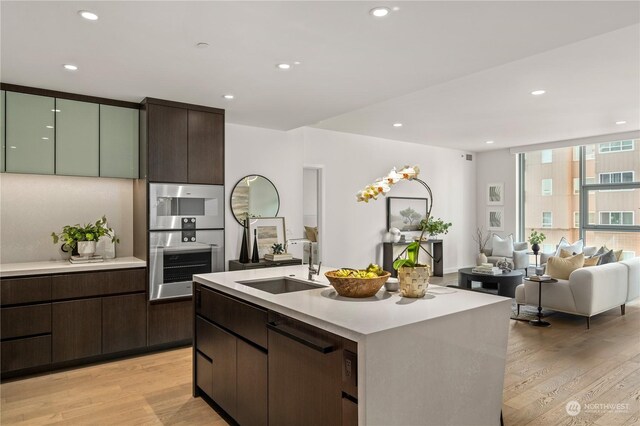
(502, 247)
(566, 253)
(591, 261)
(573, 248)
(608, 257)
(617, 254)
(312, 233)
(560, 268)
(602, 250)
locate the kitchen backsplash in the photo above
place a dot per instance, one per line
(32, 206)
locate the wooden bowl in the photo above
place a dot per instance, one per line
(356, 287)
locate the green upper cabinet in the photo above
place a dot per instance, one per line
(2, 121)
(118, 142)
(77, 138)
(29, 133)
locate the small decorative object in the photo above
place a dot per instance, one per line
(278, 253)
(495, 194)
(495, 219)
(406, 213)
(504, 265)
(535, 239)
(267, 231)
(244, 250)
(255, 257)
(434, 227)
(358, 283)
(413, 277)
(392, 285)
(482, 241)
(84, 238)
(395, 235)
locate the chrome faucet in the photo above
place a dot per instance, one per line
(312, 269)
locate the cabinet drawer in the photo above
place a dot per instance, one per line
(25, 290)
(25, 353)
(70, 286)
(126, 281)
(204, 374)
(243, 319)
(25, 321)
(349, 413)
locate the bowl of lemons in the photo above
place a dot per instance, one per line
(358, 282)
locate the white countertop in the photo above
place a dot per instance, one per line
(347, 317)
(64, 266)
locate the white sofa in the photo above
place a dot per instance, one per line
(588, 291)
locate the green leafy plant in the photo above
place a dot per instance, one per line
(277, 248)
(435, 226)
(70, 235)
(536, 237)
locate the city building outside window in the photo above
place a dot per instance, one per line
(576, 219)
(615, 146)
(546, 156)
(547, 186)
(547, 219)
(576, 185)
(616, 218)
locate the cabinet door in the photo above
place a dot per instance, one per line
(167, 144)
(25, 353)
(124, 322)
(30, 133)
(252, 405)
(2, 127)
(304, 382)
(206, 147)
(223, 389)
(77, 138)
(76, 329)
(170, 322)
(119, 138)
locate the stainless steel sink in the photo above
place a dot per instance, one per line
(280, 285)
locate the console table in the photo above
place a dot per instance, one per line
(235, 265)
(437, 262)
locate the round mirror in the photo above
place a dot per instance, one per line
(254, 196)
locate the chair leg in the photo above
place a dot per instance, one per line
(518, 308)
(622, 309)
(588, 323)
(501, 419)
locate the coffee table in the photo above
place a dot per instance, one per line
(507, 282)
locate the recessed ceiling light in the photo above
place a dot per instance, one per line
(90, 16)
(228, 96)
(55, 110)
(297, 63)
(202, 45)
(49, 127)
(621, 122)
(45, 139)
(379, 12)
(538, 92)
(395, 8)
(70, 67)
(489, 142)
(397, 124)
(12, 147)
(283, 66)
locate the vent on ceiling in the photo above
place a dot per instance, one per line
(469, 157)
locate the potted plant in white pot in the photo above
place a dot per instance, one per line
(84, 238)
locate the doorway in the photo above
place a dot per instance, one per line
(312, 212)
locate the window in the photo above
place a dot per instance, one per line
(616, 218)
(590, 180)
(547, 186)
(589, 152)
(592, 218)
(616, 146)
(576, 185)
(546, 156)
(576, 219)
(616, 177)
(548, 248)
(547, 220)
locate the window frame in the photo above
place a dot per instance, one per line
(550, 224)
(542, 192)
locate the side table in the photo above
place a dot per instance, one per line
(539, 322)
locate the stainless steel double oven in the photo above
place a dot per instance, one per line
(186, 236)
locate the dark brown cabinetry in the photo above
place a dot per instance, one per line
(182, 143)
(170, 322)
(264, 368)
(50, 321)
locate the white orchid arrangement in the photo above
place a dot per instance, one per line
(383, 185)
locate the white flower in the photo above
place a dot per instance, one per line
(382, 186)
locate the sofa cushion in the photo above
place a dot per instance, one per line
(591, 261)
(617, 254)
(560, 268)
(608, 257)
(566, 253)
(502, 246)
(573, 248)
(633, 268)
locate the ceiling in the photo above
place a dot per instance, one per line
(454, 73)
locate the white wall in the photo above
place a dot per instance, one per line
(353, 231)
(310, 197)
(493, 167)
(274, 154)
(33, 206)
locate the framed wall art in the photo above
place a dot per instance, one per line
(268, 231)
(405, 213)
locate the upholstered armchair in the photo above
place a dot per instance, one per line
(518, 260)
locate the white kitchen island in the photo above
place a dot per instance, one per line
(439, 360)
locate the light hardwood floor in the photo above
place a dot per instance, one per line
(546, 368)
